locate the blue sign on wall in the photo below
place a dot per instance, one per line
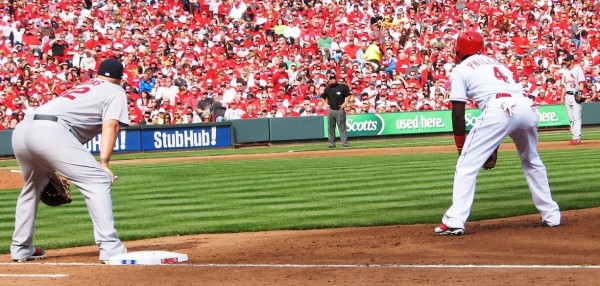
(186, 138)
(135, 140)
(127, 141)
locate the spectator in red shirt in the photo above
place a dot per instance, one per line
(250, 112)
(521, 43)
(543, 99)
(412, 79)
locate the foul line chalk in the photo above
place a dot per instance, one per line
(392, 266)
(471, 266)
(34, 275)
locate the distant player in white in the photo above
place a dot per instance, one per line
(572, 82)
(51, 139)
(505, 111)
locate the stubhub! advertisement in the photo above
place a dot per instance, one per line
(151, 139)
(186, 138)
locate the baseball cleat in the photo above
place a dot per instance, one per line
(575, 142)
(37, 255)
(547, 223)
(445, 230)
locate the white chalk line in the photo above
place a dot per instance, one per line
(33, 275)
(249, 265)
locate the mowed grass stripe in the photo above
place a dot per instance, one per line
(265, 199)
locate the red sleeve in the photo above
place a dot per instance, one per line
(46, 47)
(424, 77)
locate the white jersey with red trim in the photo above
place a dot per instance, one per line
(480, 77)
(571, 81)
(506, 112)
(572, 77)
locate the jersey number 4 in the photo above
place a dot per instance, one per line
(499, 75)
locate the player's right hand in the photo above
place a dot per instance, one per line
(110, 173)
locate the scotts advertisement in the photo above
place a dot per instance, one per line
(373, 124)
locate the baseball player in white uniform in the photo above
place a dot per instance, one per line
(572, 82)
(51, 139)
(505, 111)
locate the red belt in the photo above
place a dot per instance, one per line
(499, 95)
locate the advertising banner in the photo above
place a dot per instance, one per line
(397, 123)
(376, 124)
(552, 115)
(149, 139)
(186, 138)
(128, 140)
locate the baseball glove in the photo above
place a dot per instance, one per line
(57, 192)
(491, 161)
(579, 97)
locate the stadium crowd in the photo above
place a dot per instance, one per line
(212, 60)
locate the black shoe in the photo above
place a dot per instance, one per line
(331, 146)
(346, 145)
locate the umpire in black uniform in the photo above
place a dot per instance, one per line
(336, 96)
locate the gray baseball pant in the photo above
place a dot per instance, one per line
(44, 146)
(574, 113)
(337, 117)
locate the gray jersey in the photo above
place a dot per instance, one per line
(85, 107)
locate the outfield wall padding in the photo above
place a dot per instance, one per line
(250, 131)
(5, 143)
(296, 128)
(228, 134)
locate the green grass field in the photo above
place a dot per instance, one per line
(163, 199)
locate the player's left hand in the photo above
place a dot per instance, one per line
(57, 192)
(579, 97)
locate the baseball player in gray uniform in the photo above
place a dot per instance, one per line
(572, 81)
(51, 139)
(505, 111)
